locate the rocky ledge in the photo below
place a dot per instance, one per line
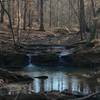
(13, 77)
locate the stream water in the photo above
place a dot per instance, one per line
(60, 78)
(57, 78)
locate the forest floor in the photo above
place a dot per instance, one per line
(50, 96)
(36, 37)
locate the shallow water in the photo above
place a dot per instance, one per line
(58, 78)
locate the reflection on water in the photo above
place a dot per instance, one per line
(57, 79)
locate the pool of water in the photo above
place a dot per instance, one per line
(59, 79)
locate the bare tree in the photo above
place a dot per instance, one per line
(50, 13)
(25, 10)
(9, 17)
(58, 2)
(18, 21)
(38, 11)
(41, 16)
(82, 18)
(2, 12)
(94, 15)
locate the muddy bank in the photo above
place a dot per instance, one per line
(86, 59)
(51, 96)
(87, 55)
(13, 77)
(25, 97)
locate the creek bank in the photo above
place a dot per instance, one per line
(50, 96)
(84, 55)
(88, 56)
(13, 77)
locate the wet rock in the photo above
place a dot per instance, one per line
(42, 77)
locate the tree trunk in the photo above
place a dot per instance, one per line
(29, 19)
(41, 16)
(94, 15)
(9, 6)
(50, 13)
(25, 10)
(38, 11)
(13, 12)
(9, 17)
(58, 13)
(69, 22)
(18, 26)
(2, 13)
(82, 19)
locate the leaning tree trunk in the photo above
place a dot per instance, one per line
(14, 42)
(41, 16)
(2, 13)
(82, 19)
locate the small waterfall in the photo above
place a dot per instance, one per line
(29, 60)
(65, 53)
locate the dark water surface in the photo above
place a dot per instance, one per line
(60, 78)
